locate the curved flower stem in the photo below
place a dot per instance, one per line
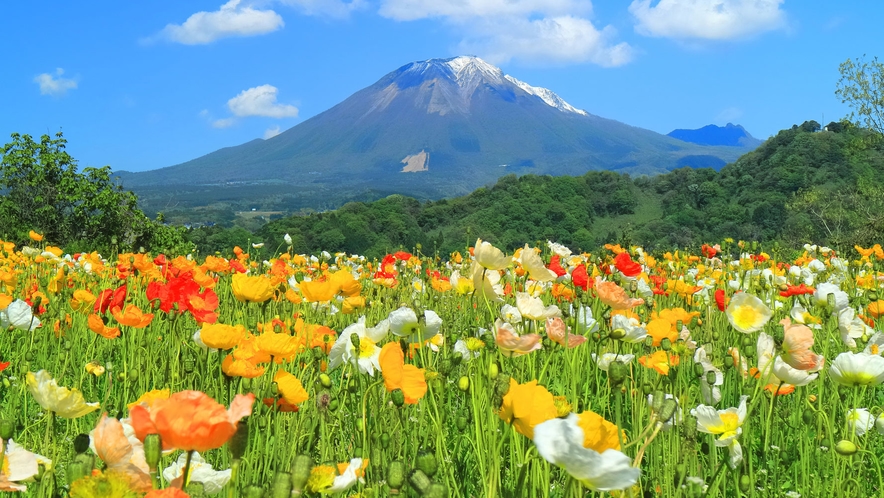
(185, 476)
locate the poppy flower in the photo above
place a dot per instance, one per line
(624, 263)
(797, 290)
(36, 237)
(659, 329)
(190, 420)
(200, 471)
(857, 369)
(397, 375)
(555, 265)
(318, 291)
(511, 343)
(588, 448)
(119, 454)
(532, 308)
(747, 313)
(18, 465)
(96, 324)
(19, 314)
(615, 296)
(797, 341)
(580, 277)
(149, 397)
(527, 405)
(82, 301)
(110, 298)
(531, 262)
(290, 388)
(64, 402)
(489, 256)
(726, 424)
(221, 336)
(4, 365)
(248, 289)
(660, 361)
(247, 369)
(720, 299)
(557, 331)
(132, 316)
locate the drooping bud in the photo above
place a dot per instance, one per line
(463, 383)
(493, 371)
(325, 380)
(354, 340)
(253, 491)
(666, 344)
(398, 397)
(301, 471)
(745, 483)
(426, 462)
(845, 447)
(710, 378)
(808, 417)
(81, 443)
(7, 429)
(698, 369)
(617, 373)
(617, 334)
(436, 490)
(667, 410)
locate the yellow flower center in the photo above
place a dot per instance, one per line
(747, 317)
(874, 349)
(730, 422)
(321, 477)
(474, 343)
(367, 347)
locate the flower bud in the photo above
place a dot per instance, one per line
(745, 483)
(461, 423)
(354, 340)
(617, 373)
(81, 443)
(436, 490)
(240, 440)
(195, 489)
(396, 475)
(325, 380)
(153, 450)
(282, 485)
(716, 335)
(385, 440)
(493, 370)
(398, 397)
(445, 366)
(698, 369)
(657, 400)
(419, 481)
(845, 447)
(667, 410)
(301, 471)
(710, 378)
(618, 334)
(7, 429)
(646, 388)
(808, 417)
(426, 462)
(253, 491)
(666, 344)
(463, 383)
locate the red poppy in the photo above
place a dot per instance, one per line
(4, 365)
(281, 405)
(237, 266)
(709, 251)
(581, 278)
(795, 290)
(626, 265)
(720, 299)
(402, 255)
(110, 298)
(555, 264)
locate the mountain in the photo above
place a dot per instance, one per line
(429, 129)
(730, 135)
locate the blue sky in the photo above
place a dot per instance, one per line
(141, 85)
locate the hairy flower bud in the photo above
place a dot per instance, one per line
(282, 485)
(153, 450)
(396, 475)
(426, 462)
(845, 447)
(419, 481)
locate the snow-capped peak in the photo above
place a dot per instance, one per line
(546, 95)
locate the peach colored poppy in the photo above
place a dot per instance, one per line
(797, 341)
(191, 420)
(167, 493)
(557, 331)
(132, 316)
(113, 447)
(615, 296)
(511, 343)
(397, 375)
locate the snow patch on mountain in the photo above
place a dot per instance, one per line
(546, 95)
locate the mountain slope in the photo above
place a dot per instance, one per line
(437, 128)
(729, 135)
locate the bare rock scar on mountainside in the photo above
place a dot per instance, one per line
(416, 162)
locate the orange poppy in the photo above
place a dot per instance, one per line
(659, 329)
(132, 316)
(191, 420)
(397, 375)
(660, 361)
(96, 324)
(234, 367)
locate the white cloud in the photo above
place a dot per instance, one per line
(707, 19)
(230, 20)
(537, 31)
(223, 123)
(409, 10)
(260, 101)
(271, 132)
(550, 40)
(331, 8)
(54, 85)
(729, 115)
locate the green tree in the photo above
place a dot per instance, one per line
(42, 189)
(862, 87)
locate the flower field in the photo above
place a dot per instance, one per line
(737, 371)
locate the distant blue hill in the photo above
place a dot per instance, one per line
(730, 135)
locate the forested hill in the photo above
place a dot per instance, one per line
(803, 185)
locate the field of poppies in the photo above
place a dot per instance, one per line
(737, 371)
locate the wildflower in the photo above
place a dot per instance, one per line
(64, 402)
(604, 361)
(190, 420)
(469, 348)
(280, 345)
(660, 361)
(798, 339)
(859, 420)
(526, 405)
(532, 308)
(404, 323)
(857, 369)
(624, 263)
(747, 313)
(660, 329)
(397, 375)
(149, 397)
(510, 314)
(727, 424)
(290, 388)
(17, 465)
(557, 331)
(110, 443)
(97, 325)
(36, 237)
(110, 484)
(245, 368)
(220, 336)
(633, 331)
(248, 289)
(82, 301)
(511, 343)
(366, 357)
(823, 290)
(95, 368)
(851, 327)
(486, 282)
(778, 374)
(328, 479)
(615, 296)
(200, 471)
(109, 298)
(132, 316)
(19, 314)
(588, 448)
(490, 257)
(532, 263)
